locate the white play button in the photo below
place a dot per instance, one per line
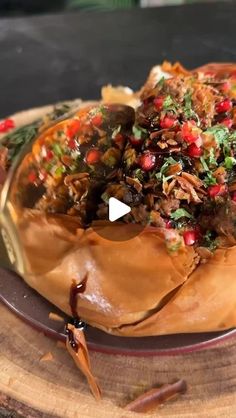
(117, 209)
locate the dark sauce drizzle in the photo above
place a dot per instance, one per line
(76, 320)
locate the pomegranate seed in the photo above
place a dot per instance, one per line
(188, 133)
(190, 237)
(158, 102)
(226, 87)
(10, 124)
(3, 127)
(73, 128)
(167, 122)
(32, 177)
(168, 224)
(194, 151)
(6, 125)
(135, 141)
(217, 190)
(224, 106)
(228, 122)
(49, 155)
(119, 138)
(234, 196)
(97, 120)
(93, 156)
(72, 144)
(147, 161)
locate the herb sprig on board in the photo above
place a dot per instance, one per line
(22, 136)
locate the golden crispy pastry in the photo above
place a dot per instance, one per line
(172, 160)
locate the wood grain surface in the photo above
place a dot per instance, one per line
(31, 387)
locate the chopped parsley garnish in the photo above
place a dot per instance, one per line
(180, 213)
(188, 111)
(229, 162)
(220, 133)
(204, 164)
(57, 150)
(209, 180)
(138, 132)
(169, 105)
(161, 175)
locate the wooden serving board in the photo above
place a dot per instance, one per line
(34, 388)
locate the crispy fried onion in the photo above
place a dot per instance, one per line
(185, 187)
(80, 355)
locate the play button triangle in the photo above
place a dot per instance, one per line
(117, 209)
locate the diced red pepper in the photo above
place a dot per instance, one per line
(228, 122)
(224, 106)
(217, 190)
(188, 133)
(194, 151)
(167, 122)
(97, 120)
(158, 103)
(73, 128)
(190, 237)
(93, 156)
(147, 161)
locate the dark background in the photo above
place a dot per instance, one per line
(50, 58)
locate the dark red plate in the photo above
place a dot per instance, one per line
(34, 310)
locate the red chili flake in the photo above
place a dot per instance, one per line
(97, 120)
(72, 144)
(194, 151)
(224, 106)
(158, 103)
(217, 190)
(167, 122)
(228, 122)
(73, 128)
(93, 156)
(147, 161)
(6, 125)
(188, 133)
(190, 237)
(32, 177)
